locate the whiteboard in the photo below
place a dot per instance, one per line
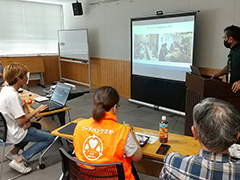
(73, 44)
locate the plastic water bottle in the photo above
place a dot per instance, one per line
(163, 130)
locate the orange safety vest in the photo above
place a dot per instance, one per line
(102, 142)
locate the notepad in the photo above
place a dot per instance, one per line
(69, 129)
(151, 140)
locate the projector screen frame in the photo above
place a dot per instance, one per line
(182, 88)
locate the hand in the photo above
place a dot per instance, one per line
(128, 125)
(236, 86)
(26, 125)
(42, 108)
(214, 75)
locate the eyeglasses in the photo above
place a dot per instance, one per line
(224, 37)
(118, 105)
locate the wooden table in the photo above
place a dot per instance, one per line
(151, 163)
(60, 112)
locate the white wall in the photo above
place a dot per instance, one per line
(109, 25)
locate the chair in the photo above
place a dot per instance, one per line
(72, 170)
(3, 137)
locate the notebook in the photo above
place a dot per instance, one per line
(69, 129)
(58, 99)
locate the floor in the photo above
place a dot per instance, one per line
(133, 114)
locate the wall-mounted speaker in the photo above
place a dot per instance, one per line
(77, 9)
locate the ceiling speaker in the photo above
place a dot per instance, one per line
(77, 9)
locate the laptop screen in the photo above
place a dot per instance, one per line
(195, 71)
(61, 93)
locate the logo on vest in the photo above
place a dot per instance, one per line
(92, 148)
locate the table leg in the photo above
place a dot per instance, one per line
(61, 117)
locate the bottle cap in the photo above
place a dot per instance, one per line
(164, 118)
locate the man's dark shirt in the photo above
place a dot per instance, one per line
(233, 63)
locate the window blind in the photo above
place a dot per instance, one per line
(29, 28)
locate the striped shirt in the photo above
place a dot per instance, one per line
(205, 165)
(131, 146)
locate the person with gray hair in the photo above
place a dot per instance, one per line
(216, 126)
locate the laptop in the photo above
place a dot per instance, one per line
(58, 99)
(195, 71)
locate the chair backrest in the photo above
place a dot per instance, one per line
(3, 128)
(74, 169)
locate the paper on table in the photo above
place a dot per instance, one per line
(41, 99)
(151, 140)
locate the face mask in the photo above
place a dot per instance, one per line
(226, 44)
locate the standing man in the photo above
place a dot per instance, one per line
(232, 69)
(216, 127)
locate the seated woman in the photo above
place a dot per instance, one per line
(17, 116)
(101, 139)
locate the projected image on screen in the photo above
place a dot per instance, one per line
(169, 48)
(163, 47)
